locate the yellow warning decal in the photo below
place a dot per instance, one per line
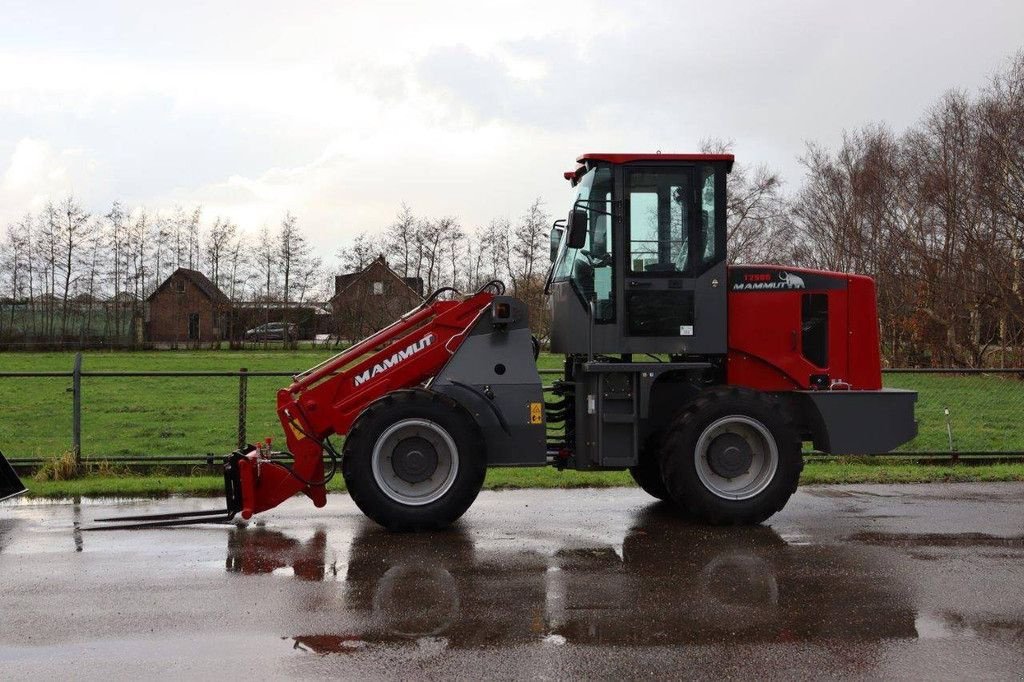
(296, 429)
(536, 413)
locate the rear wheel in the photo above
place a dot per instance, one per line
(731, 457)
(414, 460)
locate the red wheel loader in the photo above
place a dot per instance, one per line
(700, 378)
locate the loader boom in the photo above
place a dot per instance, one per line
(327, 399)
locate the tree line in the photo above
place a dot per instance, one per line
(69, 277)
(935, 214)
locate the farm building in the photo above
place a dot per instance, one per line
(187, 309)
(372, 298)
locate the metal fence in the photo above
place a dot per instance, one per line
(165, 418)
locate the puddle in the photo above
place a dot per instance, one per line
(665, 582)
(938, 540)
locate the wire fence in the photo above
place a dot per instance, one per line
(163, 418)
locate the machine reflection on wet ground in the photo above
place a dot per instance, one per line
(670, 582)
(848, 581)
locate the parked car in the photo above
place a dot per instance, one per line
(272, 331)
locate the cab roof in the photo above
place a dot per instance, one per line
(657, 156)
(590, 158)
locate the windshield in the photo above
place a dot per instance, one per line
(590, 268)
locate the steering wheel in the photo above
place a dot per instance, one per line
(601, 261)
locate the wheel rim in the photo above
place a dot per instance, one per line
(415, 462)
(736, 457)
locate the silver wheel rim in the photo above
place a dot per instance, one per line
(434, 486)
(763, 462)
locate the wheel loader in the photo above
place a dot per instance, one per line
(703, 379)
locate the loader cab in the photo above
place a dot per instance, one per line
(639, 264)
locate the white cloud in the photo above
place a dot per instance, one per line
(37, 172)
(339, 111)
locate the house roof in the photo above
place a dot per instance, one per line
(201, 281)
(343, 282)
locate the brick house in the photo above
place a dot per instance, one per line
(371, 299)
(187, 309)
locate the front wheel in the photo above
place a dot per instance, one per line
(414, 460)
(731, 457)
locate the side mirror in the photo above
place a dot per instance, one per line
(576, 228)
(556, 238)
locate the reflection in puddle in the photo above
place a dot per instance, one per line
(935, 626)
(957, 626)
(673, 583)
(338, 644)
(254, 551)
(939, 540)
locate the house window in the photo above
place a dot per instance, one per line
(179, 286)
(378, 288)
(193, 326)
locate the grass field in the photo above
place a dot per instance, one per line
(165, 416)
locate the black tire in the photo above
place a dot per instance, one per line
(647, 474)
(770, 489)
(440, 414)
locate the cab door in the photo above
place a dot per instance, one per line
(674, 293)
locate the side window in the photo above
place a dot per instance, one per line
(659, 221)
(591, 267)
(814, 328)
(707, 217)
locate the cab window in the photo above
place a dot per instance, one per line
(591, 268)
(659, 221)
(708, 224)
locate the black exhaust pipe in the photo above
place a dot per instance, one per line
(10, 484)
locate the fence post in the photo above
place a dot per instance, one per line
(76, 410)
(243, 401)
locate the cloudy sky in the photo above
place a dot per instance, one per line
(340, 110)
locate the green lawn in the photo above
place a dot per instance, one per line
(169, 416)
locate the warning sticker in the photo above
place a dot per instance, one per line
(536, 413)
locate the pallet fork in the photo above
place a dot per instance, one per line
(232, 495)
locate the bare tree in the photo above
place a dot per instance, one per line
(219, 243)
(400, 239)
(429, 238)
(360, 253)
(15, 260)
(454, 244)
(72, 228)
(192, 229)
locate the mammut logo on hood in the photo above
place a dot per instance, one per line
(398, 357)
(791, 280)
(766, 281)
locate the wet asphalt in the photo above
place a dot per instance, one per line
(869, 581)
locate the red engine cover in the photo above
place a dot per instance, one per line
(793, 328)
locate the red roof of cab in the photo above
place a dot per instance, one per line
(629, 158)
